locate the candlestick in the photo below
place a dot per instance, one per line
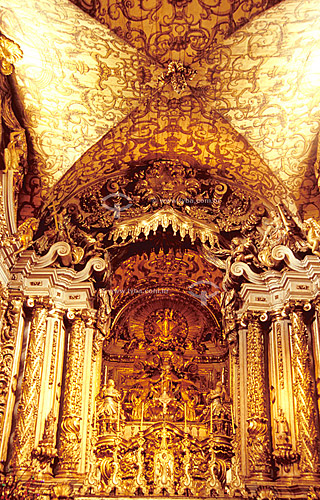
(185, 418)
(142, 410)
(211, 418)
(105, 374)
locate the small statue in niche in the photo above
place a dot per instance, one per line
(108, 407)
(216, 410)
(216, 398)
(282, 428)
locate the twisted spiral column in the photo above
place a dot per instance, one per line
(304, 390)
(258, 438)
(24, 436)
(69, 450)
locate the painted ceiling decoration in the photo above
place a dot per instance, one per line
(76, 79)
(177, 128)
(187, 30)
(95, 103)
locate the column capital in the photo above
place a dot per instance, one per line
(253, 317)
(39, 302)
(87, 315)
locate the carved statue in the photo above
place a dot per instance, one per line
(108, 409)
(282, 428)
(216, 398)
(312, 228)
(15, 155)
(275, 234)
(104, 298)
(25, 233)
(108, 400)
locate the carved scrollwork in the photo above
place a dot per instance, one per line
(159, 193)
(266, 493)
(10, 313)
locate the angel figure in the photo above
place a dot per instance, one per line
(25, 232)
(275, 234)
(312, 228)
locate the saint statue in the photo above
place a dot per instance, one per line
(108, 408)
(108, 400)
(216, 398)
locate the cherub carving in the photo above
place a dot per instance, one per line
(25, 232)
(312, 229)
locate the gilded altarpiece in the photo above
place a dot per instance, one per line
(172, 352)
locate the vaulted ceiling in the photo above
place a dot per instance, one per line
(89, 84)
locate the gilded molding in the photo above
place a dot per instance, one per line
(24, 436)
(53, 352)
(303, 388)
(258, 437)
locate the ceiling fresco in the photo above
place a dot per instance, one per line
(265, 82)
(187, 30)
(76, 79)
(94, 103)
(179, 128)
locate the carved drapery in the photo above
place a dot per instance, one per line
(24, 436)
(303, 388)
(258, 433)
(69, 451)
